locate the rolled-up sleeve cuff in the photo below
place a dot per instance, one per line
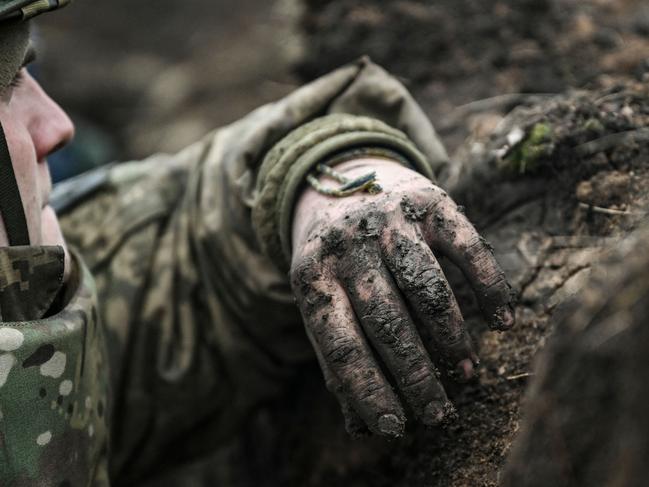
(330, 138)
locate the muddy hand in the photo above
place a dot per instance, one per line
(376, 305)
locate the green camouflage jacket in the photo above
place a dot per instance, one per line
(200, 325)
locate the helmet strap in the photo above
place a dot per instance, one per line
(11, 206)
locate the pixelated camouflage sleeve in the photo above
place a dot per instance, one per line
(201, 324)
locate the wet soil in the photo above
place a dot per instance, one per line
(553, 185)
(453, 53)
(585, 417)
(548, 233)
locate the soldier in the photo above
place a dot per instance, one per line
(149, 334)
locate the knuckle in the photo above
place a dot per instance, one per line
(372, 389)
(436, 198)
(497, 284)
(478, 248)
(473, 245)
(429, 278)
(333, 243)
(495, 287)
(344, 351)
(435, 298)
(306, 282)
(387, 323)
(388, 330)
(448, 334)
(452, 349)
(303, 274)
(419, 374)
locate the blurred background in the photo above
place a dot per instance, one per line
(149, 76)
(154, 75)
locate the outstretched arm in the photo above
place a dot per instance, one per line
(193, 255)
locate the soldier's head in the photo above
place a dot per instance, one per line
(34, 126)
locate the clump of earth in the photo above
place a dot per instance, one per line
(452, 53)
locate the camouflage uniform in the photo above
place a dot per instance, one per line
(192, 325)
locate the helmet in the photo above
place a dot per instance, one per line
(26, 9)
(13, 40)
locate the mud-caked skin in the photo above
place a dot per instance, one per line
(372, 293)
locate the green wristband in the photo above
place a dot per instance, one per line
(285, 168)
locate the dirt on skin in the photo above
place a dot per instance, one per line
(552, 186)
(548, 232)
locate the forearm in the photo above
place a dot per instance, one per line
(194, 304)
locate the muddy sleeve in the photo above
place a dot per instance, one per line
(202, 323)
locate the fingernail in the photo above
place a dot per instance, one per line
(437, 412)
(464, 369)
(503, 318)
(391, 425)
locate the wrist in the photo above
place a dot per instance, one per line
(385, 169)
(293, 159)
(355, 167)
(312, 204)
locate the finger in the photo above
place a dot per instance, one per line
(354, 424)
(386, 321)
(447, 230)
(422, 282)
(329, 317)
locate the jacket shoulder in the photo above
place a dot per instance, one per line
(67, 194)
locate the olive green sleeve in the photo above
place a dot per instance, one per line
(202, 325)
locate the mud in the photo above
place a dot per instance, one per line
(412, 212)
(470, 62)
(403, 307)
(333, 243)
(600, 348)
(547, 242)
(426, 288)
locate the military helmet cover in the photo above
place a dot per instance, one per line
(14, 32)
(14, 38)
(26, 9)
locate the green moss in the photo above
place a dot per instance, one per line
(594, 125)
(526, 155)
